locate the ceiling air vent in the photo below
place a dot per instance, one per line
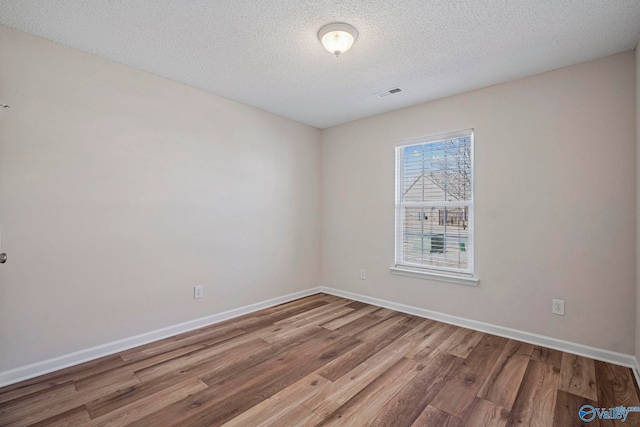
(388, 92)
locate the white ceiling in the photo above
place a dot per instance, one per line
(265, 53)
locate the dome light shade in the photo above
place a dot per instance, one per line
(338, 37)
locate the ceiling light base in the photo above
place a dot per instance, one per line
(337, 37)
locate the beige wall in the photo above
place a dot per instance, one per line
(555, 203)
(120, 191)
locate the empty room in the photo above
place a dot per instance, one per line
(311, 213)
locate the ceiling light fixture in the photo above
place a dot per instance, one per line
(338, 37)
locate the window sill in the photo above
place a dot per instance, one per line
(442, 277)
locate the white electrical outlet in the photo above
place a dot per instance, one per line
(557, 307)
(363, 274)
(198, 291)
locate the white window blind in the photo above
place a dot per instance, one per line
(434, 203)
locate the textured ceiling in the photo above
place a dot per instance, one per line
(265, 53)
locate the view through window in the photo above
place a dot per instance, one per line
(434, 203)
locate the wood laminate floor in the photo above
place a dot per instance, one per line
(321, 361)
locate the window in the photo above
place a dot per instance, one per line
(434, 204)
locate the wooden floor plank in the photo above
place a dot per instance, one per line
(113, 379)
(462, 342)
(362, 352)
(281, 403)
(225, 399)
(409, 402)
(140, 408)
(259, 320)
(372, 333)
(615, 384)
(73, 417)
(228, 366)
(298, 417)
(210, 335)
(323, 317)
(356, 326)
(301, 302)
(385, 312)
(349, 317)
(289, 330)
(548, 356)
(126, 396)
(503, 382)
(482, 413)
(55, 405)
(461, 389)
(357, 305)
(331, 298)
(165, 356)
(578, 376)
(26, 390)
(536, 399)
(299, 365)
(567, 411)
(310, 315)
(202, 355)
(433, 336)
(367, 403)
(417, 333)
(325, 360)
(345, 387)
(45, 400)
(434, 417)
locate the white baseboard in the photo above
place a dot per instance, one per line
(44, 367)
(636, 370)
(622, 359)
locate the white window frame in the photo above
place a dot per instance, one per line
(419, 270)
